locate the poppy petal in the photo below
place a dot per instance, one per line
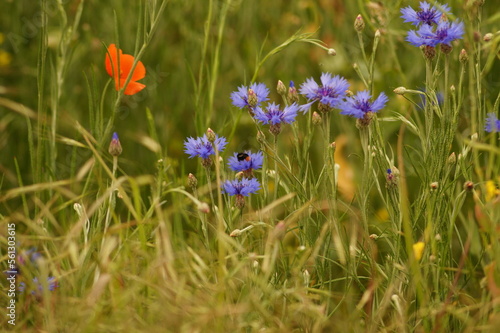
(132, 87)
(139, 72)
(126, 63)
(112, 63)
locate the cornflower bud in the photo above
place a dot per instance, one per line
(316, 118)
(332, 52)
(252, 98)
(468, 186)
(115, 147)
(210, 135)
(392, 178)
(463, 57)
(240, 201)
(235, 233)
(293, 96)
(400, 90)
(487, 37)
(429, 51)
(280, 88)
(192, 181)
(365, 121)
(452, 159)
(204, 207)
(359, 23)
(446, 49)
(275, 129)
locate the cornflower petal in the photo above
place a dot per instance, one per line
(202, 147)
(492, 123)
(239, 98)
(359, 105)
(274, 115)
(426, 15)
(243, 187)
(331, 92)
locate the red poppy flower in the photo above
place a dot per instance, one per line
(120, 75)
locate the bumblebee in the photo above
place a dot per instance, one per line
(243, 157)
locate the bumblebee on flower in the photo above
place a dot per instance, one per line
(246, 162)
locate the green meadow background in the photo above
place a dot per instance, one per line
(152, 269)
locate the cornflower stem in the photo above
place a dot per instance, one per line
(276, 173)
(210, 188)
(446, 105)
(427, 107)
(112, 200)
(331, 188)
(364, 133)
(220, 219)
(362, 46)
(371, 66)
(265, 177)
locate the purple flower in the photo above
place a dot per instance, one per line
(242, 99)
(38, 287)
(426, 15)
(492, 123)
(274, 115)
(202, 147)
(330, 93)
(444, 33)
(243, 187)
(246, 161)
(359, 105)
(30, 255)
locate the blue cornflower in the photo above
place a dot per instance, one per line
(275, 116)
(31, 255)
(427, 15)
(202, 147)
(115, 147)
(246, 162)
(241, 189)
(250, 97)
(293, 97)
(244, 187)
(360, 105)
(329, 94)
(38, 290)
(492, 123)
(444, 33)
